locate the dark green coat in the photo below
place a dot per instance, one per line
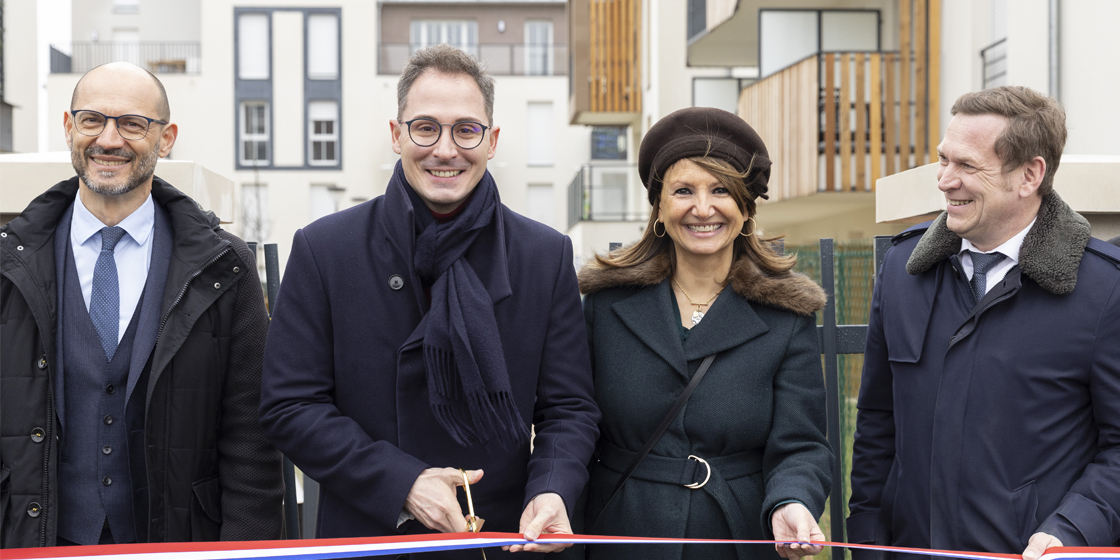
(757, 417)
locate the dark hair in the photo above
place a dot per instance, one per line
(163, 108)
(1036, 127)
(650, 246)
(447, 60)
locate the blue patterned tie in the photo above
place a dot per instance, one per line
(981, 264)
(105, 302)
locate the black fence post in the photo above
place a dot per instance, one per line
(832, 390)
(291, 507)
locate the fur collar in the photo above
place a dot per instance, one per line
(1050, 255)
(792, 291)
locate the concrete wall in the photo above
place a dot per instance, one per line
(21, 74)
(1089, 50)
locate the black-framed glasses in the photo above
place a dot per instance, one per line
(131, 127)
(425, 132)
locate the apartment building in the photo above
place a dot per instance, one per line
(844, 92)
(292, 100)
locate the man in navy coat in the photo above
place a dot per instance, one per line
(989, 412)
(428, 331)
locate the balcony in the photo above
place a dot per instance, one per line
(605, 86)
(606, 201)
(500, 59)
(157, 58)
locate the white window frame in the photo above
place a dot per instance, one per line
(538, 54)
(256, 137)
(255, 213)
(325, 112)
(428, 32)
(322, 46)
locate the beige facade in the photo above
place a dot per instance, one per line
(21, 76)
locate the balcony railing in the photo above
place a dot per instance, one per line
(606, 192)
(158, 58)
(500, 59)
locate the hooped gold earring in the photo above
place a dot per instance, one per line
(749, 218)
(663, 231)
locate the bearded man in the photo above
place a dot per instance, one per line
(132, 339)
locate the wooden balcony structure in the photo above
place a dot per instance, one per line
(839, 121)
(606, 61)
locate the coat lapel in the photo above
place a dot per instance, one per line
(151, 302)
(730, 322)
(648, 315)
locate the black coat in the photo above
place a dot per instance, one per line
(345, 393)
(210, 473)
(757, 417)
(976, 432)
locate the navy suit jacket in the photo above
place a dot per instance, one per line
(345, 393)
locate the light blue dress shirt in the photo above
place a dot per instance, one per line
(133, 254)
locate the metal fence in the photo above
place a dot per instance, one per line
(158, 58)
(499, 59)
(606, 192)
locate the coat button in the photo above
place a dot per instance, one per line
(37, 435)
(34, 509)
(217, 285)
(3, 234)
(236, 269)
(106, 450)
(109, 389)
(42, 362)
(107, 481)
(107, 419)
(19, 248)
(396, 282)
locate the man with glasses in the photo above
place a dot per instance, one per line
(132, 340)
(431, 330)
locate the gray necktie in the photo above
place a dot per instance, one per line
(105, 302)
(981, 264)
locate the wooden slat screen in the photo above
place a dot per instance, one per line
(783, 109)
(615, 50)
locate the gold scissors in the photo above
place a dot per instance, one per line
(474, 522)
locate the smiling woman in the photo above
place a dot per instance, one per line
(659, 308)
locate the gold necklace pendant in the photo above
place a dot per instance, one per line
(697, 315)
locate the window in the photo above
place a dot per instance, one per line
(323, 132)
(254, 213)
(542, 125)
(254, 133)
(322, 47)
(608, 142)
(538, 48)
(457, 33)
(126, 6)
(253, 47)
(539, 204)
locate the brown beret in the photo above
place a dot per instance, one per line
(703, 131)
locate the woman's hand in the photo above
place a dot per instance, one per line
(793, 522)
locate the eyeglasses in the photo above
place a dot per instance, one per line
(130, 127)
(426, 132)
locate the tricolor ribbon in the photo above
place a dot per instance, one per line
(329, 549)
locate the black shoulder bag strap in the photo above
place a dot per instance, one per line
(660, 431)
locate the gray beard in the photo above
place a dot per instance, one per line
(144, 169)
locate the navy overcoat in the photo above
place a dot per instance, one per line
(345, 393)
(982, 424)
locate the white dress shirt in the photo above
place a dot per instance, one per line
(1010, 250)
(133, 254)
